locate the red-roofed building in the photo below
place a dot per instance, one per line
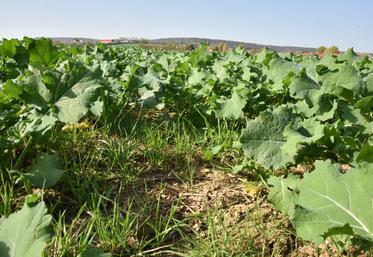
(106, 41)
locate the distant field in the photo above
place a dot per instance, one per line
(195, 41)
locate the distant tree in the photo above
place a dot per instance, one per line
(321, 50)
(224, 47)
(333, 50)
(221, 47)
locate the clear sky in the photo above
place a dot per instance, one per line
(344, 23)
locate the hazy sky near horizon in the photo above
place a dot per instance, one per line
(345, 23)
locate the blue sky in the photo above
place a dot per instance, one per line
(279, 22)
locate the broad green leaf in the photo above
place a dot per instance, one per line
(365, 154)
(39, 123)
(8, 48)
(26, 232)
(35, 92)
(12, 90)
(152, 84)
(197, 77)
(300, 134)
(329, 199)
(199, 56)
(328, 63)
(220, 71)
(153, 79)
(352, 117)
(166, 63)
(97, 108)
(263, 137)
(369, 83)
(148, 98)
(248, 74)
(231, 108)
(324, 110)
(304, 88)
(349, 56)
(45, 171)
(210, 152)
(365, 104)
(43, 53)
(77, 101)
(71, 94)
(347, 77)
(284, 193)
(279, 69)
(234, 56)
(265, 56)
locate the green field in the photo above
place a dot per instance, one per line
(123, 151)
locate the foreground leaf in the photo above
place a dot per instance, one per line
(278, 70)
(25, 232)
(304, 133)
(231, 108)
(77, 101)
(346, 78)
(304, 88)
(284, 193)
(45, 171)
(44, 53)
(365, 154)
(263, 137)
(329, 199)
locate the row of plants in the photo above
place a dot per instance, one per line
(290, 109)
